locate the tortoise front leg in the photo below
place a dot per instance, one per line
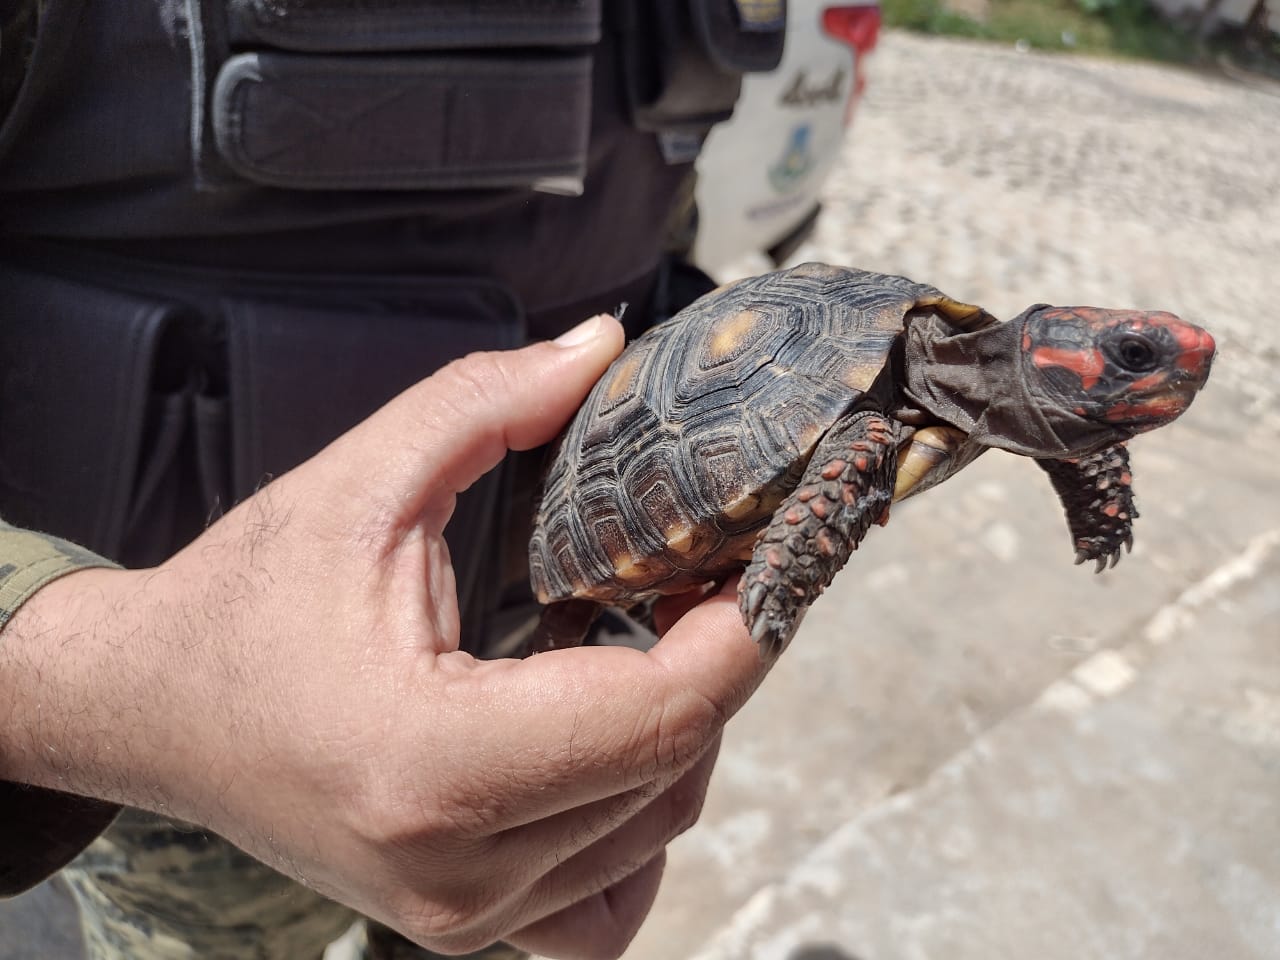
(846, 487)
(562, 625)
(1097, 493)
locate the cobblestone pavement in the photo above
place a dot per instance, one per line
(973, 749)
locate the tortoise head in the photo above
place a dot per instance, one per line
(1127, 369)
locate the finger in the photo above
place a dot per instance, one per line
(602, 925)
(665, 809)
(444, 433)
(617, 853)
(710, 652)
(584, 866)
(595, 722)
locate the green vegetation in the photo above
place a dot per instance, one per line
(1117, 27)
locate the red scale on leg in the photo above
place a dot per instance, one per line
(847, 487)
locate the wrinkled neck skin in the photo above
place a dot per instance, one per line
(977, 383)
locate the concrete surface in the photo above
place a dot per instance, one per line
(1128, 812)
(974, 750)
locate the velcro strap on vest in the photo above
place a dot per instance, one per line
(426, 121)
(333, 26)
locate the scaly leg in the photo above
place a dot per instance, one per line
(1096, 492)
(847, 486)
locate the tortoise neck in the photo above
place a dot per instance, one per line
(957, 376)
(977, 383)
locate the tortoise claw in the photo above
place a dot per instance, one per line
(1128, 543)
(1100, 564)
(1081, 556)
(767, 629)
(754, 602)
(763, 634)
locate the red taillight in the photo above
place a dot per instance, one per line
(858, 27)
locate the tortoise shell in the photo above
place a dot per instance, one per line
(691, 440)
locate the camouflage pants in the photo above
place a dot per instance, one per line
(150, 889)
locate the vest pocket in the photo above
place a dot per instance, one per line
(402, 94)
(404, 123)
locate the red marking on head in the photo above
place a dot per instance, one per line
(1150, 382)
(1196, 344)
(1198, 348)
(1187, 336)
(1087, 364)
(1156, 410)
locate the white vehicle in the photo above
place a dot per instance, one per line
(760, 173)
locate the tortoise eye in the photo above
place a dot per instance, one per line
(1136, 354)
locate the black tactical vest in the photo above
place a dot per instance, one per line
(230, 229)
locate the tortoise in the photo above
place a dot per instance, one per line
(770, 423)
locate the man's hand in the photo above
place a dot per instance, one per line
(292, 681)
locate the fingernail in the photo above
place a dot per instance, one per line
(586, 330)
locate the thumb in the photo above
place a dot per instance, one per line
(444, 433)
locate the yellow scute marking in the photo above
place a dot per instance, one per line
(808, 437)
(622, 378)
(741, 506)
(679, 539)
(860, 376)
(730, 333)
(963, 315)
(627, 568)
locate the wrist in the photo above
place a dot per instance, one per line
(93, 694)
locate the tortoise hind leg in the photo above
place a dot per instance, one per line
(561, 625)
(847, 486)
(1096, 492)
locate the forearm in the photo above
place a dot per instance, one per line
(94, 678)
(54, 666)
(40, 829)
